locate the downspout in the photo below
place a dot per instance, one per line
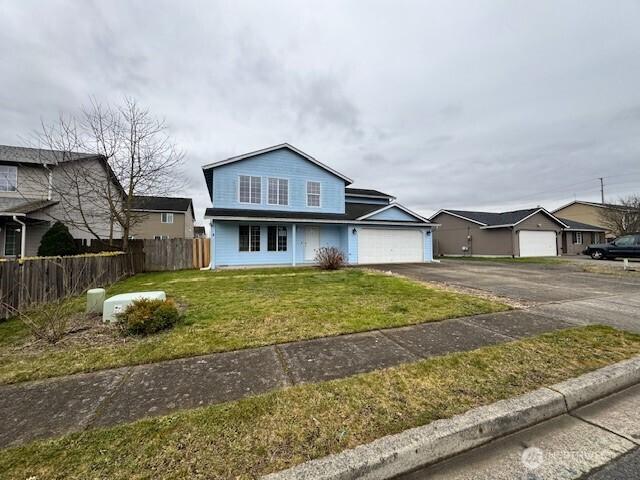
(23, 239)
(50, 182)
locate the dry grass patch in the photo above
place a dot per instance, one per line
(230, 310)
(266, 433)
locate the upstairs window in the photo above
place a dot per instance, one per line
(249, 238)
(313, 194)
(8, 178)
(166, 217)
(277, 238)
(250, 189)
(278, 191)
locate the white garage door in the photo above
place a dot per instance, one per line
(390, 246)
(537, 244)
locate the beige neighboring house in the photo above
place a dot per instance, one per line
(587, 212)
(29, 203)
(162, 217)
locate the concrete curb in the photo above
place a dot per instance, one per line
(417, 447)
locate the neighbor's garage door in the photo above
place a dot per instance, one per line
(537, 244)
(390, 246)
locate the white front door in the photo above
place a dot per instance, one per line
(536, 243)
(390, 246)
(311, 242)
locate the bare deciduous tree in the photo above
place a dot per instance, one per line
(127, 143)
(623, 218)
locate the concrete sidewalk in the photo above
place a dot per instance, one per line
(57, 406)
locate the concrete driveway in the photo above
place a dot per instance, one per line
(561, 292)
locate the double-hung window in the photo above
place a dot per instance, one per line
(250, 189)
(249, 238)
(277, 238)
(278, 191)
(166, 217)
(313, 194)
(8, 178)
(577, 238)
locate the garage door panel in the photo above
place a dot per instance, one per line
(535, 243)
(390, 246)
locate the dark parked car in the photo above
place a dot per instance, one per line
(624, 246)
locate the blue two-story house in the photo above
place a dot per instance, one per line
(278, 206)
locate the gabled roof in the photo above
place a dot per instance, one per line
(29, 207)
(394, 205)
(573, 225)
(591, 204)
(366, 192)
(354, 212)
(161, 204)
(207, 169)
(39, 156)
(499, 219)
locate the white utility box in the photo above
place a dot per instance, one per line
(95, 300)
(118, 303)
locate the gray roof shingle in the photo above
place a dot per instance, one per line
(40, 156)
(168, 204)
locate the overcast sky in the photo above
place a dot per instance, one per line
(472, 105)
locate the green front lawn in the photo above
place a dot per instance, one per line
(236, 309)
(539, 260)
(266, 433)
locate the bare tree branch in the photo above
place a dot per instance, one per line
(623, 219)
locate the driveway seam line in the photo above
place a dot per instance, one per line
(402, 347)
(284, 365)
(601, 427)
(482, 327)
(102, 406)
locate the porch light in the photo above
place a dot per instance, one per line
(428, 233)
(354, 231)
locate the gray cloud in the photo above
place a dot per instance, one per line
(487, 106)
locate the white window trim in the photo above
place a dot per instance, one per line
(161, 237)
(15, 189)
(250, 177)
(306, 192)
(278, 191)
(579, 238)
(259, 239)
(168, 215)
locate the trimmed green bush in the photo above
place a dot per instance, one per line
(57, 241)
(144, 317)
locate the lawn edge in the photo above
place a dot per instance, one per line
(418, 447)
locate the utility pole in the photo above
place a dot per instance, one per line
(602, 190)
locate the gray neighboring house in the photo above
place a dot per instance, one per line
(162, 217)
(533, 232)
(29, 203)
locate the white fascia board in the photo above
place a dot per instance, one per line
(547, 213)
(392, 205)
(277, 147)
(314, 220)
(456, 215)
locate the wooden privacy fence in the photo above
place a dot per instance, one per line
(40, 280)
(176, 254)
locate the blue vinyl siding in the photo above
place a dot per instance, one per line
(352, 240)
(226, 248)
(393, 213)
(281, 163)
(428, 245)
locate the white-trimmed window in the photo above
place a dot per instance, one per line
(250, 189)
(313, 194)
(577, 238)
(276, 238)
(160, 237)
(249, 238)
(8, 178)
(166, 217)
(278, 193)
